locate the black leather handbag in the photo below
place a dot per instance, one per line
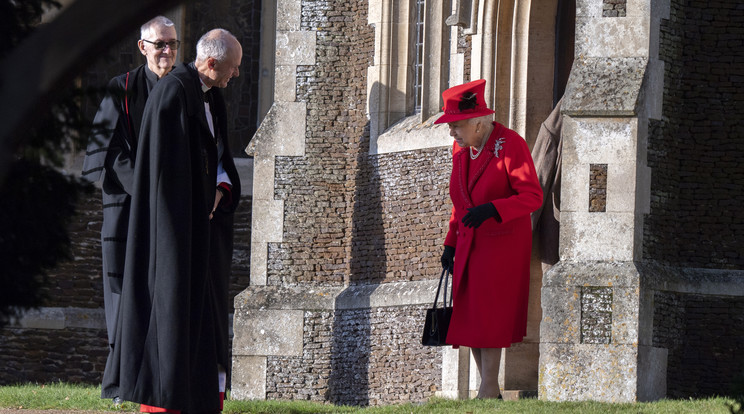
(438, 318)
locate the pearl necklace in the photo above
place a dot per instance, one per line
(474, 156)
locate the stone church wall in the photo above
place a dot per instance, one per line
(695, 153)
(355, 367)
(703, 336)
(353, 219)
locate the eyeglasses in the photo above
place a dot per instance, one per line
(173, 44)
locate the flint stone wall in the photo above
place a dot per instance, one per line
(363, 357)
(703, 336)
(696, 150)
(697, 188)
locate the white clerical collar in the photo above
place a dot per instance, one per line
(205, 88)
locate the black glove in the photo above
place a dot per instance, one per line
(448, 258)
(477, 215)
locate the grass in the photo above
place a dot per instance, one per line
(60, 396)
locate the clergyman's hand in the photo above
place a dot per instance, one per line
(217, 198)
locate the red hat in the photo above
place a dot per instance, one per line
(464, 101)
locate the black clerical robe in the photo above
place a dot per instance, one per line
(172, 332)
(110, 154)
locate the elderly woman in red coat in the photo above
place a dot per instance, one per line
(493, 188)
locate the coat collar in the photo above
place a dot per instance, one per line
(195, 97)
(489, 152)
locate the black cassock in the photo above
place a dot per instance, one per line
(111, 154)
(173, 328)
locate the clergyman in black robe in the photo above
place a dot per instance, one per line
(111, 154)
(172, 336)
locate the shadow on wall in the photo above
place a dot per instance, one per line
(349, 382)
(351, 347)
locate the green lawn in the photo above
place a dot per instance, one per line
(77, 397)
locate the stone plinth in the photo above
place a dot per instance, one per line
(612, 360)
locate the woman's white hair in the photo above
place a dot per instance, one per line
(483, 120)
(146, 29)
(213, 44)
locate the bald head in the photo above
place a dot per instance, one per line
(215, 44)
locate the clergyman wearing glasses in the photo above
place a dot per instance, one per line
(111, 154)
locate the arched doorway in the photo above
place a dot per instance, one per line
(525, 51)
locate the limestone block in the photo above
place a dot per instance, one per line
(287, 297)
(645, 316)
(599, 140)
(598, 37)
(460, 379)
(622, 187)
(451, 369)
(643, 193)
(282, 131)
(520, 366)
(575, 185)
(592, 273)
(259, 257)
(267, 226)
(388, 294)
(268, 332)
(625, 315)
(288, 15)
(457, 68)
(397, 96)
(588, 8)
(285, 83)
(561, 314)
(379, 57)
(611, 141)
(606, 373)
(659, 10)
(374, 13)
(85, 318)
(248, 378)
(654, 94)
(597, 236)
(373, 90)
(714, 282)
(295, 48)
(652, 368)
(43, 318)
(601, 86)
(411, 134)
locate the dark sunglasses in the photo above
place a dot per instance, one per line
(173, 44)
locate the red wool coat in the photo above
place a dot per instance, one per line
(492, 262)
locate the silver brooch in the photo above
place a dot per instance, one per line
(498, 146)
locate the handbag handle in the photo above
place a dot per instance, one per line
(445, 275)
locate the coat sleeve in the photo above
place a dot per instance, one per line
(451, 238)
(546, 157)
(107, 124)
(109, 148)
(523, 180)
